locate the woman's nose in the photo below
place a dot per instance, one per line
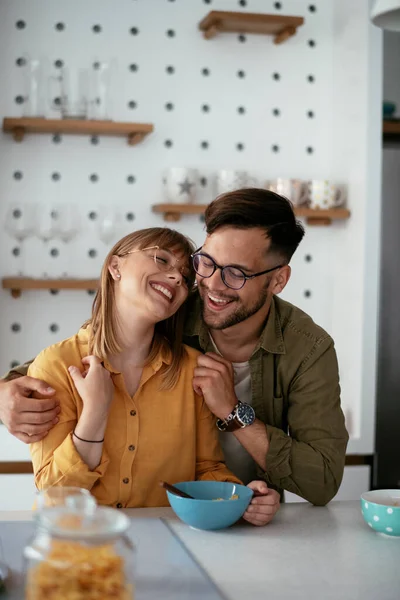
(175, 275)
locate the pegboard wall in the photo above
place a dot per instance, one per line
(237, 101)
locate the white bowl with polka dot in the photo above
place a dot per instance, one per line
(381, 511)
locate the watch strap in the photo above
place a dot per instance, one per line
(225, 424)
(233, 425)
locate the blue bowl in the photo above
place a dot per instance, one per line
(381, 511)
(205, 512)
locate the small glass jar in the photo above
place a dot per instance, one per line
(79, 552)
(74, 497)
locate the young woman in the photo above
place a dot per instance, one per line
(129, 416)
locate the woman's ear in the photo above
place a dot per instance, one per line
(114, 267)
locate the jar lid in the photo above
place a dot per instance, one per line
(74, 498)
(100, 524)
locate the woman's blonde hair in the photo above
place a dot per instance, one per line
(103, 339)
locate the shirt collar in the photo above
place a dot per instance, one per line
(271, 339)
(163, 357)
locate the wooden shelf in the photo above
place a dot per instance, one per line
(280, 26)
(17, 284)
(135, 132)
(8, 467)
(391, 130)
(15, 468)
(173, 213)
(323, 216)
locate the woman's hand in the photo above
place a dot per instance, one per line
(94, 385)
(96, 389)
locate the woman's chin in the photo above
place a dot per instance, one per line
(159, 313)
(162, 317)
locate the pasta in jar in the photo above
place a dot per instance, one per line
(72, 571)
(80, 556)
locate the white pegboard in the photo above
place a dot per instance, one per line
(278, 102)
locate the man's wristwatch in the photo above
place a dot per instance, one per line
(242, 416)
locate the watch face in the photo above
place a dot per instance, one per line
(246, 414)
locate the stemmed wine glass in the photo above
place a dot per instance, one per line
(108, 224)
(47, 228)
(69, 229)
(69, 221)
(20, 224)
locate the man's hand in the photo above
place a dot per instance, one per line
(213, 379)
(28, 419)
(264, 505)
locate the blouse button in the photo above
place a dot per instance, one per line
(133, 413)
(119, 505)
(131, 448)
(125, 480)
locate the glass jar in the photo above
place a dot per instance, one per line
(69, 497)
(79, 552)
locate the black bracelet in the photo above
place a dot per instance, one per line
(88, 441)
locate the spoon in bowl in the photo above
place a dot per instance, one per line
(174, 490)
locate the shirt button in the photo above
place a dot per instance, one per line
(133, 413)
(119, 505)
(125, 480)
(131, 448)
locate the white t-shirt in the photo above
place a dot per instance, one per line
(238, 460)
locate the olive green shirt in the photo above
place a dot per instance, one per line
(296, 393)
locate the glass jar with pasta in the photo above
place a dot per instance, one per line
(79, 554)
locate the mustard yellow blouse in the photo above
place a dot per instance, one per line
(155, 435)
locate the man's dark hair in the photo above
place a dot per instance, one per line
(254, 207)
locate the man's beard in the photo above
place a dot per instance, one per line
(242, 313)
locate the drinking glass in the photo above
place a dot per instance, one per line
(35, 72)
(73, 84)
(101, 82)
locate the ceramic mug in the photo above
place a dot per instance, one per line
(180, 185)
(295, 190)
(323, 194)
(228, 180)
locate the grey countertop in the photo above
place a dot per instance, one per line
(307, 552)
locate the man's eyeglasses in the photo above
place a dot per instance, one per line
(165, 261)
(233, 277)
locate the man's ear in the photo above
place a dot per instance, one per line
(281, 279)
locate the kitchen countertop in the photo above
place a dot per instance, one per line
(307, 552)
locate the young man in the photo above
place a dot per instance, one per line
(269, 373)
(288, 427)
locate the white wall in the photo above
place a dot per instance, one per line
(357, 93)
(17, 492)
(356, 480)
(338, 287)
